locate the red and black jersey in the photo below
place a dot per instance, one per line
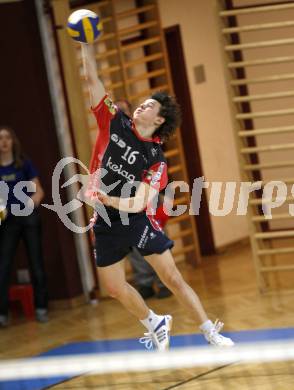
(124, 154)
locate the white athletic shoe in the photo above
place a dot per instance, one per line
(214, 338)
(159, 337)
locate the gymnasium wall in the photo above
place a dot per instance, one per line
(200, 36)
(270, 87)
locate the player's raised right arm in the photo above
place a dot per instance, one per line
(95, 86)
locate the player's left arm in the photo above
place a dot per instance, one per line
(144, 194)
(154, 180)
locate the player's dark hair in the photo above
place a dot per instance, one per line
(170, 111)
(18, 155)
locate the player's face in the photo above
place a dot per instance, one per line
(147, 113)
(6, 141)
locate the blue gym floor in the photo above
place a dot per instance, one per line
(88, 347)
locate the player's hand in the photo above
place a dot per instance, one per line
(104, 198)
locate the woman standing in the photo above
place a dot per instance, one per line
(14, 168)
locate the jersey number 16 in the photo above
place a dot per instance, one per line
(130, 157)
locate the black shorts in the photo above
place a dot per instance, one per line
(114, 242)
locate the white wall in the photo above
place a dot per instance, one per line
(200, 38)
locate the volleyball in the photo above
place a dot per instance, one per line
(3, 215)
(84, 26)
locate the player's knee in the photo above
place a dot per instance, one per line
(114, 290)
(174, 280)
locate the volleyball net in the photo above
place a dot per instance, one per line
(261, 365)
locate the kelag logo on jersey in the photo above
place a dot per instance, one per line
(115, 138)
(119, 170)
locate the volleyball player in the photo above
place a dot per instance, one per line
(129, 149)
